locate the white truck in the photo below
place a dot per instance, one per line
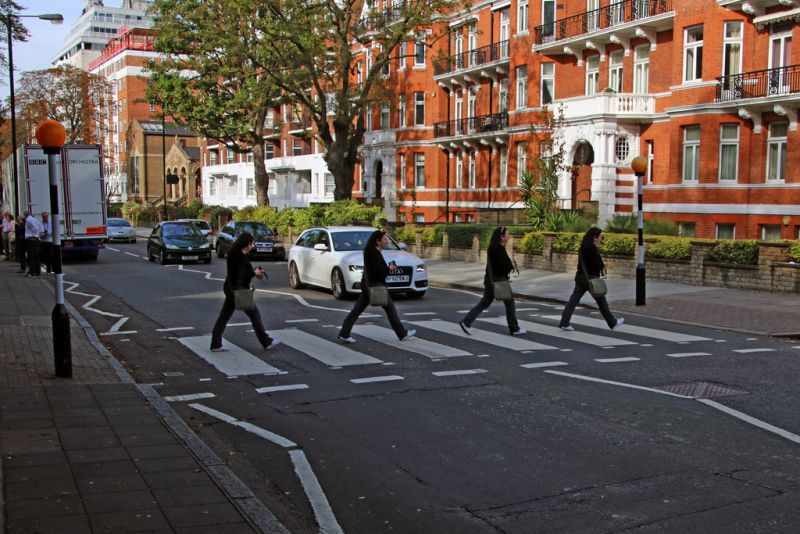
(81, 193)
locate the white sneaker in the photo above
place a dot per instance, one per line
(409, 335)
(519, 332)
(620, 320)
(218, 349)
(348, 339)
(568, 328)
(275, 343)
(465, 328)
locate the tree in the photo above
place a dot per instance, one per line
(313, 54)
(18, 30)
(539, 188)
(66, 94)
(212, 76)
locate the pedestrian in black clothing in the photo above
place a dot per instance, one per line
(498, 269)
(240, 273)
(375, 272)
(589, 254)
(19, 242)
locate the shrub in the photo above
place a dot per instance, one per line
(214, 214)
(660, 227)
(139, 214)
(671, 248)
(405, 234)
(344, 212)
(532, 243)
(622, 224)
(619, 244)
(567, 242)
(460, 235)
(794, 251)
(740, 252)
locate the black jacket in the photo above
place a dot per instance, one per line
(240, 271)
(375, 268)
(499, 263)
(592, 260)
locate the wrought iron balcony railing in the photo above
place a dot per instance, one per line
(472, 58)
(759, 83)
(379, 20)
(598, 19)
(471, 125)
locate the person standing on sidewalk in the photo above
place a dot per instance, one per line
(498, 269)
(8, 228)
(46, 243)
(33, 231)
(593, 264)
(375, 272)
(240, 273)
(19, 242)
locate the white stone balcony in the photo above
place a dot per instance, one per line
(624, 105)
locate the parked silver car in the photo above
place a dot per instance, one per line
(120, 229)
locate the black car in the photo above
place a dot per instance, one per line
(177, 241)
(267, 243)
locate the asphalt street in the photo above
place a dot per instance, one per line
(593, 430)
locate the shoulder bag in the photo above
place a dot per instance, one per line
(500, 288)
(597, 285)
(244, 299)
(378, 295)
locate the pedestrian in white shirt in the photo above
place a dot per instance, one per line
(46, 243)
(8, 229)
(33, 232)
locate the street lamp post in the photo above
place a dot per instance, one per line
(164, 159)
(639, 166)
(55, 18)
(51, 135)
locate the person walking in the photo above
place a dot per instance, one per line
(375, 272)
(498, 269)
(240, 273)
(33, 232)
(19, 242)
(46, 243)
(590, 262)
(8, 229)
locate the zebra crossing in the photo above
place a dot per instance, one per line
(335, 355)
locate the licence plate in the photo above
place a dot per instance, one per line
(263, 249)
(191, 257)
(397, 279)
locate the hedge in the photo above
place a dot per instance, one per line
(794, 251)
(674, 248)
(532, 243)
(740, 252)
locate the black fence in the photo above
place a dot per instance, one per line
(472, 58)
(471, 125)
(759, 83)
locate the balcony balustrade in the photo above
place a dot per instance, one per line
(622, 105)
(472, 58)
(759, 84)
(379, 20)
(472, 125)
(599, 19)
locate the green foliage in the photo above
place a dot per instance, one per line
(139, 214)
(213, 214)
(405, 234)
(671, 248)
(740, 252)
(567, 242)
(343, 212)
(460, 235)
(660, 227)
(618, 244)
(114, 209)
(794, 251)
(532, 243)
(621, 223)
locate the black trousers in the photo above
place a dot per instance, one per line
(228, 307)
(19, 252)
(581, 287)
(32, 251)
(486, 301)
(361, 305)
(46, 255)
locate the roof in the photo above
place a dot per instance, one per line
(154, 128)
(193, 152)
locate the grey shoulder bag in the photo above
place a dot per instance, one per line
(597, 286)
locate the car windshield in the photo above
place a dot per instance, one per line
(355, 240)
(202, 225)
(181, 230)
(258, 230)
(118, 222)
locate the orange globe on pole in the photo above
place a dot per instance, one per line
(51, 134)
(639, 165)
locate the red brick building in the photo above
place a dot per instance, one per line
(706, 90)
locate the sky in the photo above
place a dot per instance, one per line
(45, 38)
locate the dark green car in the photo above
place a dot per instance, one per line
(176, 241)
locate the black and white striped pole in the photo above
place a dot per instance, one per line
(51, 136)
(639, 166)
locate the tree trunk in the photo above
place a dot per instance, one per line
(261, 176)
(341, 160)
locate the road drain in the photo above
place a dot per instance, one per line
(702, 390)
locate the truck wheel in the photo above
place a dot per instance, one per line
(92, 255)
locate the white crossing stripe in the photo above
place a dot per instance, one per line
(302, 320)
(537, 329)
(387, 378)
(420, 313)
(419, 346)
(462, 372)
(688, 354)
(288, 387)
(195, 396)
(542, 364)
(664, 335)
(234, 362)
(748, 351)
(484, 336)
(174, 329)
(327, 352)
(616, 360)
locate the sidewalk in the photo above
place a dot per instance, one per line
(756, 312)
(98, 452)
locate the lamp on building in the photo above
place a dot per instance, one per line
(8, 18)
(639, 166)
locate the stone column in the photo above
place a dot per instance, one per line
(700, 253)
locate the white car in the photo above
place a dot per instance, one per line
(333, 258)
(120, 230)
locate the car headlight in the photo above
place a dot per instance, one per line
(356, 268)
(421, 267)
(171, 247)
(204, 246)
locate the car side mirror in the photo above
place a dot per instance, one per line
(321, 247)
(401, 246)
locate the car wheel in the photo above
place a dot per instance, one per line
(207, 260)
(219, 252)
(150, 256)
(162, 258)
(294, 277)
(133, 240)
(415, 294)
(338, 286)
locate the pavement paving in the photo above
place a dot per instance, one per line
(97, 452)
